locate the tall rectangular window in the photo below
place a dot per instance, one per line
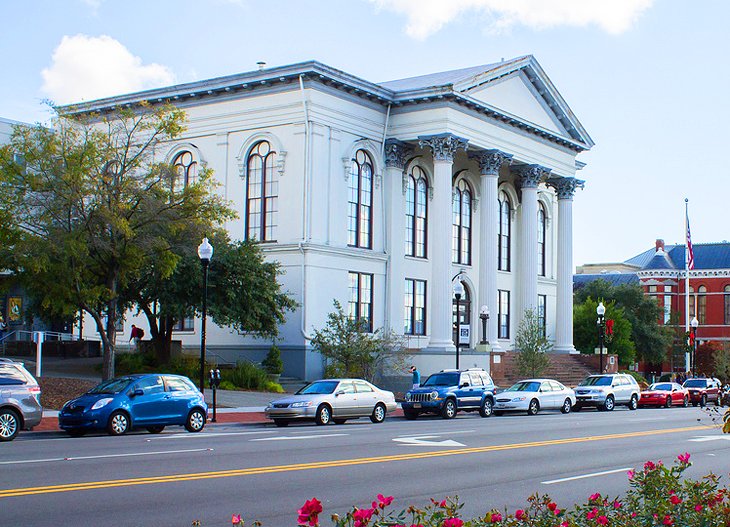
(541, 310)
(503, 314)
(727, 304)
(360, 304)
(184, 324)
(415, 307)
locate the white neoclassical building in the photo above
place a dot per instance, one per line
(382, 196)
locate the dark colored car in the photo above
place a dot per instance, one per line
(451, 391)
(702, 391)
(20, 399)
(152, 401)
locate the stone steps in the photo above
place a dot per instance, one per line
(568, 369)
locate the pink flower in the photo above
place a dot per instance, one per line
(441, 503)
(649, 465)
(309, 513)
(595, 497)
(496, 517)
(617, 504)
(552, 506)
(633, 515)
(631, 474)
(675, 499)
(602, 520)
(519, 514)
(236, 520)
(668, 520)
(592, 514)
(384, 501)
(565, 524)
(362, 517)
(683, 458)
(698, 507)
(452, 522)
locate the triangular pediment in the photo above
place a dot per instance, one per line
(516, 95)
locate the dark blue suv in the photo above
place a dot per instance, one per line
(450, 391)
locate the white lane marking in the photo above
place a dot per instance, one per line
(583, 476)
(436, 434)
(209, 435)
(702, 439)
(77, 458)
(285, 438)
(423, 441)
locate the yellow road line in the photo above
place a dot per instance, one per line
(27, 491)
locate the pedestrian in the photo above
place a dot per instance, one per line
(416, 377)
(136, 335)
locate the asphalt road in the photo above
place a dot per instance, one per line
(267, 473)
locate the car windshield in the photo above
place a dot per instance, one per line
(442, 379)
(695, 383)
(661, 386)
(596, 381)
(524, 387)
(319, 388)
(113, 386)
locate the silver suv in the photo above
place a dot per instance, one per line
(20, 399)
(606, 391)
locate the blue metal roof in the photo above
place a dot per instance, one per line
(660, 261)
(707, 256)
(579, 280)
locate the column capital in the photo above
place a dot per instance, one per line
(565, 186)
(443, 146)
(396, 153)
(531, 175)
(490, 161)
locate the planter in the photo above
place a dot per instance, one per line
(274, 377)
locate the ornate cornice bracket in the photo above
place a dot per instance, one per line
(490, 161)
(443, 146)
(532, 175)
(396, 153)
(565, 186)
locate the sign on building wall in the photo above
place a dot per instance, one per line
(464, 334)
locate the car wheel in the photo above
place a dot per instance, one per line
(195, 421)
(533, 408)
(378, 415)
(410, 415)
(9, 424)
(634, 402)
(324, 415)
(487, 407)
(281, 422)
(118, 424)
(703, 401)
(668, 403)
(609, 404)
(76, 433)
(155, 429)
(449, 409)
(685, 402)
(566, 406)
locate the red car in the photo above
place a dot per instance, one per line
(703, 390)
(665, 394)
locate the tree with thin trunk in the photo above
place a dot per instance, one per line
(532, 345)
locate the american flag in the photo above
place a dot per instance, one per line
(690, 252)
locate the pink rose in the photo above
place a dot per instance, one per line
(631, 474)
(698, 507)
(236, 520)
(552, 506)
(309, 513)
(668, 520)
(649, 465)
(384, 501)
(362, 517)
(683, 458)
(519, 514)
(675, 499)
(452, 522)
(595, 497)
(602, 520)
(592, 514)
(496, 517)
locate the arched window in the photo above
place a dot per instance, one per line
(186, 170)
(360, 202)
(701, 304)
(416, 213)
(727, 304)
(541, 228)
(262, 193)
(505, 232)
(462, 310)
(461, 223)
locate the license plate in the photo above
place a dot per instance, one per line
(416, 405)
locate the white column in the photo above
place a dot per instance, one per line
(396, 154)
(565, 188)
(530, 177)
(444, 146)
(490, 161)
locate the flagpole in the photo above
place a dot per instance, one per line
(686, 280)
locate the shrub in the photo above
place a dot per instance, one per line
(247, 375)
(273, 363)
(127, 363)
(636, 375)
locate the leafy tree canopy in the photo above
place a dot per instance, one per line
(585, 330)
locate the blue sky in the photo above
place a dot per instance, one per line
(647, 78)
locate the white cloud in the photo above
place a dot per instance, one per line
(86, 68)
(426, 17)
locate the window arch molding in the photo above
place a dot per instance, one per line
(372, 149)
(512, 195)
(253, 140)
(417, 161)
(547, 204)
(179, 148)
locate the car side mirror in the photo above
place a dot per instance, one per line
(464, 385)
(339, 393)
(137, 392)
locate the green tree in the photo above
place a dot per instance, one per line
(86, 208)
(532, 345)
(722, 363)
(350, 351)
(585, 330)
(652, 340)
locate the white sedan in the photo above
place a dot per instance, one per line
(533, 395)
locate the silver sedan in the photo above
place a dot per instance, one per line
(333, 400)
(533, 395)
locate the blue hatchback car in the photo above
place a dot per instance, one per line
(152, 401)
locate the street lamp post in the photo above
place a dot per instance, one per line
(458, 292)
(601, 324)
(694, 323)
(484, 316)
(205, 253)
